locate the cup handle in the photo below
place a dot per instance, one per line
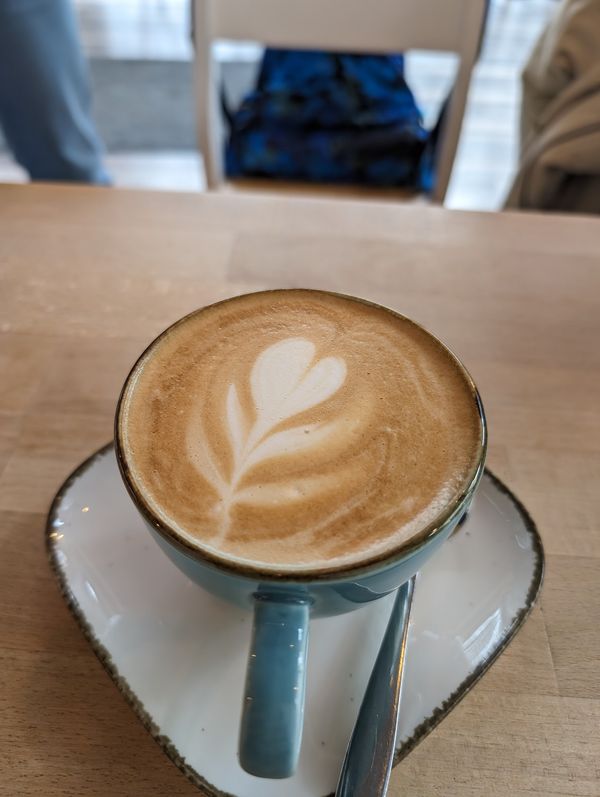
(273, 710)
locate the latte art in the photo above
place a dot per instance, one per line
(285, 382)
(295, 429)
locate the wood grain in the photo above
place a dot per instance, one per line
(89, 276)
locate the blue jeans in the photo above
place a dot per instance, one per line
(44, 93)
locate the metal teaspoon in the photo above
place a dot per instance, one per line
(368, 761)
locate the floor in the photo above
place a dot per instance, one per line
(487, 151)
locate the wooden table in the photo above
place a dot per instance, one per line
(89, 276)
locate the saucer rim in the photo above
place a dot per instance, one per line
(167, 746)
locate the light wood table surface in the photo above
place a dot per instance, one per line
(89, 276)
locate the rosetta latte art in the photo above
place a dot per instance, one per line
(285, 381)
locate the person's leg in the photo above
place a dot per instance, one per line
(44, 92)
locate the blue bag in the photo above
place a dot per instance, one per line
(334, 118)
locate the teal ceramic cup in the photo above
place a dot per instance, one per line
(283, 604)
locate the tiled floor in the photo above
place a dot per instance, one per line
(488, 148)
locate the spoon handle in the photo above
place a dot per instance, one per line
(368, 762)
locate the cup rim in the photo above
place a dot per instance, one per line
(375, 562)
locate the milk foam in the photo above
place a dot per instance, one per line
(298, 429)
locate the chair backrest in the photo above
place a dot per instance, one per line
(378, 26)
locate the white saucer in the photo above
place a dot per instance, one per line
(178, 655)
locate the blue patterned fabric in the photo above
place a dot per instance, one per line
(324, 117)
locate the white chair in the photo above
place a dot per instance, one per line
(378, 26)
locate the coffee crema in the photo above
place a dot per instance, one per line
(296, 429)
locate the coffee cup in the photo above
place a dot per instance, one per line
(299, 453)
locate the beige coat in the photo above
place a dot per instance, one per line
(559, 165)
